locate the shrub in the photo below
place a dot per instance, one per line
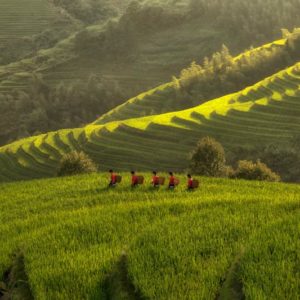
(75, 163)
(208, 159)
(255, 171)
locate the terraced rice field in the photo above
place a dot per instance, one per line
(159, 54)
(19, 18)
(164, 99)
(74, 239)
(268, 112)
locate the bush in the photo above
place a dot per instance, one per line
(208, 159)
(75, 163)
(283, 161)
(255, 171)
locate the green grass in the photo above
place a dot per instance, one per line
(266, 113)
(82, 241)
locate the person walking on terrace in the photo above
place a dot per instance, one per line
(113, 179)
(190, 184)
(134, 179)
(155, 180)
(172, 181)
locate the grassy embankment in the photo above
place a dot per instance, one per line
(77, 240)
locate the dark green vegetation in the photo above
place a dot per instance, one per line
(208, 159)
(102, 63)
(16, 285)
(75, 163)
(82, 241)
(254, 171)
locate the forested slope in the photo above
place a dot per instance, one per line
(100, 66)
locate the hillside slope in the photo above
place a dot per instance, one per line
(157, 52)
(150, 42)
(78, 240)
(165, 98)
(267, 112)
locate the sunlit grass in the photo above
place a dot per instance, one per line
(179, 244)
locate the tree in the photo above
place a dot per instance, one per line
(208, 159)
(75, 163)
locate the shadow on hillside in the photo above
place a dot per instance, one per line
(15, 283)
(118, 284)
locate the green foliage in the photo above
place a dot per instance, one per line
(284, 161)
(223, 74)
(254, 20)
(44, 108)
(208, 159)
(255, 171)
(90, 11)
(293, 41)
(178, 246)
(75, 163)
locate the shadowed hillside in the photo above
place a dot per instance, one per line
(113, 53)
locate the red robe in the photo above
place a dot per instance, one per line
(172, 180)
(113, 178)
(134, 180)
(155, 180)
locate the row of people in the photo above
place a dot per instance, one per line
(156, 181)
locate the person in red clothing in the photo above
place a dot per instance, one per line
(155, 180)
(171, 181)
(113, 179)
(190, 182)
(134, 179)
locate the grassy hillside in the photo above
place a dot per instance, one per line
(265, 113)
(165, 98)
(71, 238)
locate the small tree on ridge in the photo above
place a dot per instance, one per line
(208, 159)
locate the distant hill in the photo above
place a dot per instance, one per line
(30, 25)
(125, 54)
(265, 113)
(26, 18)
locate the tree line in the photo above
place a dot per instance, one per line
(256, 20)
(222, 74)
(44, 108)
